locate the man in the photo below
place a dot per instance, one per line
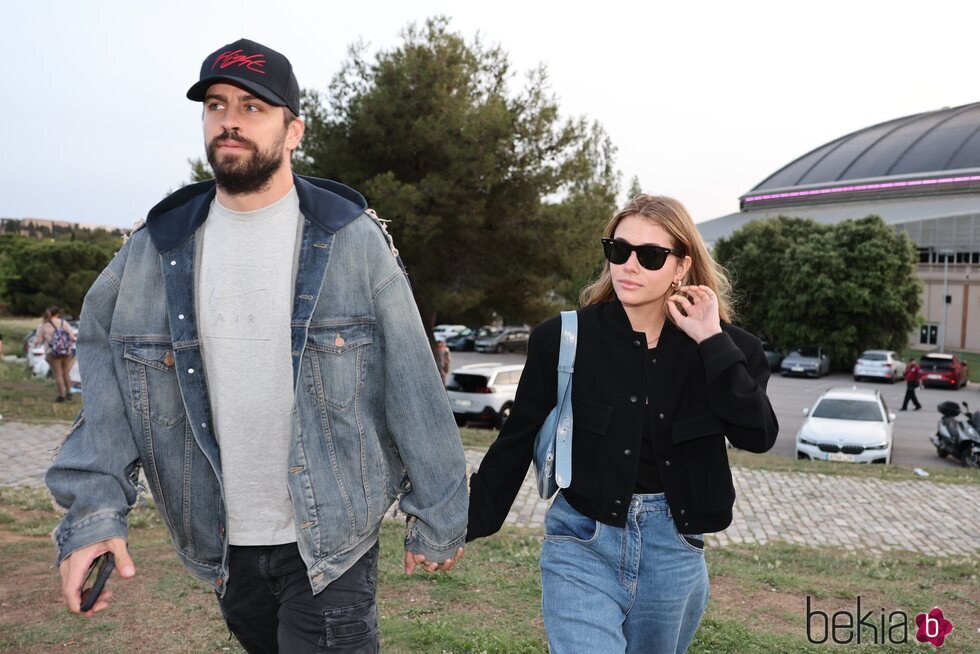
(256, 350)
(912, 378)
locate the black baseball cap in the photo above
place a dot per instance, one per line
(254, 67)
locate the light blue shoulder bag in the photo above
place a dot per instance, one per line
(553, 444)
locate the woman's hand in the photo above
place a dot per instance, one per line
(702, 319)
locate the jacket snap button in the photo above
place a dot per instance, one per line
(168, 359)
(667, 463)
(633, 399)
(660, 415)
(682, 511)
(219, 583)
(618, 503)
(174, 263)
(686, 524)
(653, 361)
(636, 343)
(339, 341)
(627, 452)
(614, 514)
(190, 371)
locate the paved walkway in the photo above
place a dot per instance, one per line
(868, 515)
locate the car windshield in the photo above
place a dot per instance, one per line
(848, 410)
(874, 356)
(466, 383)
(811, 352)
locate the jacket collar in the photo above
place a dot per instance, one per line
(614, 317)
(329, 205)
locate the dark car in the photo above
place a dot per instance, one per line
(508, 339)
(463, 342)
(946, 370)
(774, 356)
(807, 361)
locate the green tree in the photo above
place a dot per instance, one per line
(849, 287)
(200, 170)
(40, 273)
(635, 188)
(494, 198)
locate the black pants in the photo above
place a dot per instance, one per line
(910, 395)
(269, 605)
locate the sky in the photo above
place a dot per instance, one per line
(703, 100)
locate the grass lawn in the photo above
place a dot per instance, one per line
(489, 604)
(25, 398)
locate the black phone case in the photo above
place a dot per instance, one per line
(96, 590)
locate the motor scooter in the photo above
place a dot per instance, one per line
(958, 434)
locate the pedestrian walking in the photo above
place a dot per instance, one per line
(660, 378)
(913, 378)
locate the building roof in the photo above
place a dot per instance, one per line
(947, 139)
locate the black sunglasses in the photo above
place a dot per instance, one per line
(651, 257)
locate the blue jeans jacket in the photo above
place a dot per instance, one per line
(371, 419)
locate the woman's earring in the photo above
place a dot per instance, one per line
(676, 284)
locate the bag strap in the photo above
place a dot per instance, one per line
(566, 361)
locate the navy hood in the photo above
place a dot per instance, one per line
(329, 205)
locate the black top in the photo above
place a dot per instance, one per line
(703, 393)
(647, 475)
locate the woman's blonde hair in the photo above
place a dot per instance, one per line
(674, 218)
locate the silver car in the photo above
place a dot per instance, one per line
(807, 361)
(879, 364)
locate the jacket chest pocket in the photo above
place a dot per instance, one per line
(337, 353)
(153, 382)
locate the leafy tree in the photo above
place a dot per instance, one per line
(849, 287)
(40, 273)
(200, 170)
(635, 188)
(494, 199)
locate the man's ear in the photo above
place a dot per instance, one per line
(294, 133)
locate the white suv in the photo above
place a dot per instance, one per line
(483, 392)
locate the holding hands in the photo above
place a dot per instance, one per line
(701, 320)
(413, 560)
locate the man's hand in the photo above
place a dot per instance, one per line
(75, 568)
(412, 560)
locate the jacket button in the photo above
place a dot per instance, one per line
(667, 463)
(614, 515)
(219, 583)
(618, 503)
(627, 452)
(634, 399)
(660, 415)
(686, 524)
(682, 511)
(653, 361)
(636, 343)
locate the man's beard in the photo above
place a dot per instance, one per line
(247, 173)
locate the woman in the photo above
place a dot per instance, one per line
(661, 378)
(54, 332)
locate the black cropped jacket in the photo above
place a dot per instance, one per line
(699, 394)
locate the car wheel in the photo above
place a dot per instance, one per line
(941, 452)
(857, 378)
(503, 416)
(970, 460)
(499, 349)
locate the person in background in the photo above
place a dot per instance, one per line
(58, 339)
(661, 378)
(912, 374)
(443, 360)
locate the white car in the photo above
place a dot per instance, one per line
(483, 392)
(442, 332)
(847, 424)
(880, 364)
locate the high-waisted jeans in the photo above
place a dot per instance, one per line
(642, 588)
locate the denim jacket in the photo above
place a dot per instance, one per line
(371, 420)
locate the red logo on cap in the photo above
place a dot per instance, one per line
(235, 58)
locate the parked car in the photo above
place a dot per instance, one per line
(464, 341)
(442, 332)
(808, 361)
(879, 364)
(508, 339)
(847, 424)
(483, 392)
(946, 370)
(774, 356)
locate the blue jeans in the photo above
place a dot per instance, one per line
(642, 588)
(270, 607)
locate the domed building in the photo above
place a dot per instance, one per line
(921, 174)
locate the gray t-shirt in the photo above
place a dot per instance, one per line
(244, 308)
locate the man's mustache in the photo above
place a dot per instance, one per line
(231, 136)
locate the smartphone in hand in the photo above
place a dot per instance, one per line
(95, 580)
